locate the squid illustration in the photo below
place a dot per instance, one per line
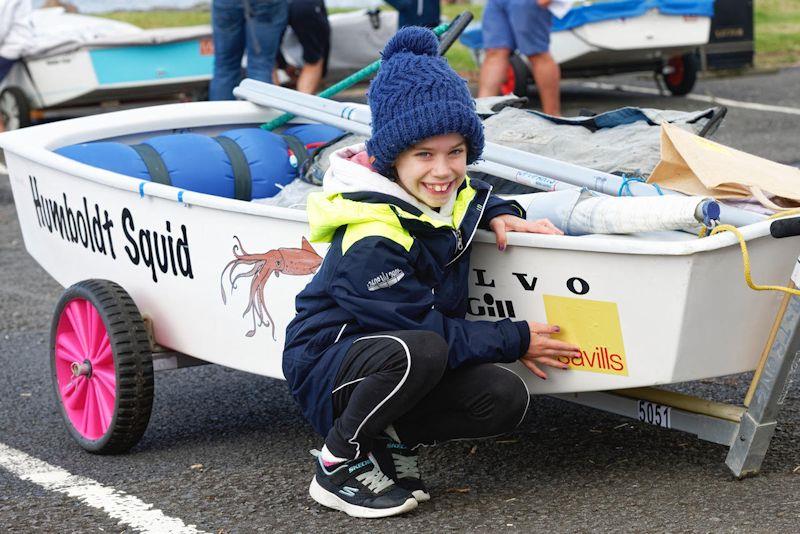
(294, 261)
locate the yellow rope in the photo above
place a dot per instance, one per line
(787, 213)
(746, 259)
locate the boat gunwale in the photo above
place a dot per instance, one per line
(36, 144)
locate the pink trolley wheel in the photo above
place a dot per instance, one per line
(101, 365)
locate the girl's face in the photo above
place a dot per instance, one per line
(433, 169)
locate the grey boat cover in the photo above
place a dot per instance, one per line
(621, 141)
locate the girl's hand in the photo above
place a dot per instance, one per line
(509, 223)
(544, 3)
(543, 350)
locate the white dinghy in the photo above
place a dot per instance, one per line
(676, 310)
(645, 311)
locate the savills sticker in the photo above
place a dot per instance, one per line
(594, 326)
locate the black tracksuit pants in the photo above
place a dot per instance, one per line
(402, 379)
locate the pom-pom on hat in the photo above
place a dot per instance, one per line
(417, 95)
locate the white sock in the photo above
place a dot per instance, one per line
(328, 458)
(392, 433)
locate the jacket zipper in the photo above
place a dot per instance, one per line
(463, 246)
(459, 242)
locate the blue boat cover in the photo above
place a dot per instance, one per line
(625, 9)
(608, 10)
(200, 163)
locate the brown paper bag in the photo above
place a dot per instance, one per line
(697, 166)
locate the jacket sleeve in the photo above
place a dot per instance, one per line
(375, 281)
(497, 206)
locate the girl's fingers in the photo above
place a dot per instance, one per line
(555, 344)
(541, 343)
(541, 353)
(498, 226)
(544, 226)
(533, 368)
(542, 328)
(552, 362)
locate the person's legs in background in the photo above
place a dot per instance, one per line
(547, 75)
(498, 41)
(227, 19)
(493, 71)
(309, 21)
(531, 26)
(264, 30)
(310, 76)
(510, 25)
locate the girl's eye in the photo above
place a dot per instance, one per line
(457, 151)
(423, 154)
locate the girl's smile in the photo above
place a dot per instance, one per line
(433, 169)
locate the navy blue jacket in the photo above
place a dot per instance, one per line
(390, 267)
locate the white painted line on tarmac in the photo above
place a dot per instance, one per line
(691, 96)
(129, 510)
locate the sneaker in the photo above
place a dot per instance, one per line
(400, 463)
(360, 489)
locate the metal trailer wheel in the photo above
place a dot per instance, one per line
(101, 366)
(15, 108)
(518, 77)
(680, 74)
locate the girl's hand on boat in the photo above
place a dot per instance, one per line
(543, 350)
(509, 223)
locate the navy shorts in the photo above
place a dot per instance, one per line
(517, 25)
(309, 21)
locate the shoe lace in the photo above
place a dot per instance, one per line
(406, 466)
(375, 480)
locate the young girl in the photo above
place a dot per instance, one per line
(379, 356)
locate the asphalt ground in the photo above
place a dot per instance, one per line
(227, 451)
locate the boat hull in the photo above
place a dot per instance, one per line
(646, 312)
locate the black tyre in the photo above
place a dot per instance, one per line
(15, 108)
(101, 366)
(519, 77)
(682, 74)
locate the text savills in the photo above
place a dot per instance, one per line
(86, 224)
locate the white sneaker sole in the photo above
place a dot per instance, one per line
(421, 495)
(326, 498)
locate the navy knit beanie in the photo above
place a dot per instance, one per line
(417, 95)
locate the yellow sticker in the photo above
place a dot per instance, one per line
(593, 325)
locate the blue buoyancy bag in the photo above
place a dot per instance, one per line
(310, 134)
(243, 163)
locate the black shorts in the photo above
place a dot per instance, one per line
(309, 21)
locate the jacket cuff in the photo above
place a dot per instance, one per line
(507, 207)
(518, 336)
(524, 337)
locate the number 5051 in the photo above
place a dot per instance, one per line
(654, 414)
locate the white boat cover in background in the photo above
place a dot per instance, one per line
(53, 31)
